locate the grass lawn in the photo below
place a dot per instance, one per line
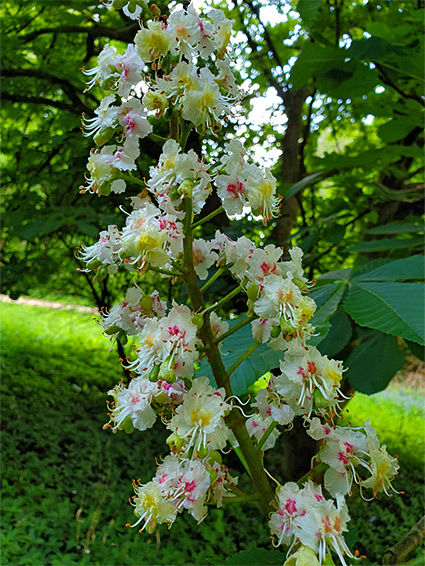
(66, 481)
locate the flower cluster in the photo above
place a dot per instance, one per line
(179, 69)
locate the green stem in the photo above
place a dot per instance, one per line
(212, 279)
(265, 436)
(235, 328)
(236, 422)
(239, 454)
(244, 356)
(317, 469)
(131, 179)
(164, 271)
(184, 135)
(227, 297)
(219, 210)
(157, 139)
(177, 266)
(241, 499)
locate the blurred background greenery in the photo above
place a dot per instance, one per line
(341, 128)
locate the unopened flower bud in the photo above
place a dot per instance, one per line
(154, 374)
(122, 337)
(253, 291)
(186, 188)
(119, 4)
(146, 303)
(198, 320)
(154, 8)
(101, 272)
(166, 372)
(103, 136)
(215, 456)
(275, 332)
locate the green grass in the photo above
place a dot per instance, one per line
(66, 481)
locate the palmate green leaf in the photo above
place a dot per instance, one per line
(327, 299)
(314, 60)
(392, 307)
(256, 557)
(339, 334)
(262, 360)
(396, 228)
(308, 10)
(305, 182)
(373, 364)
(386, 244)
(409, 268)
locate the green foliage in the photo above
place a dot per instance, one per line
(66, 481)
(262, 360)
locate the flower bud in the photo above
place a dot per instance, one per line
(122, 337)
(186, 188)
(155, 9)
(166, 372)
(198, 320)
(253, 291)
(146, 303)
(153, 376)
(275, 332)
(101, 272)
(119, 4)
(103, 136)
(215, 456)
(111, 329)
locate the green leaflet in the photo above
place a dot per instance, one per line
(262, 360)
(392, 307)
(373, 364)
(409, 268)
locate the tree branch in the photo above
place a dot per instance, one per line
(389, 82)
(43, 100)
(123, 34)
(68, 88)
(396, 554)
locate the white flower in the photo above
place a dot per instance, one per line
(204, 105)
(133, 119)
(199, 420)
(129, 66)
(106, 117)
(151, 507)
(203, 257)
(153, 42)
(134, 403)
(184, 483)
(104, 251)
(103, 74)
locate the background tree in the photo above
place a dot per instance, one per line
(345, 80)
